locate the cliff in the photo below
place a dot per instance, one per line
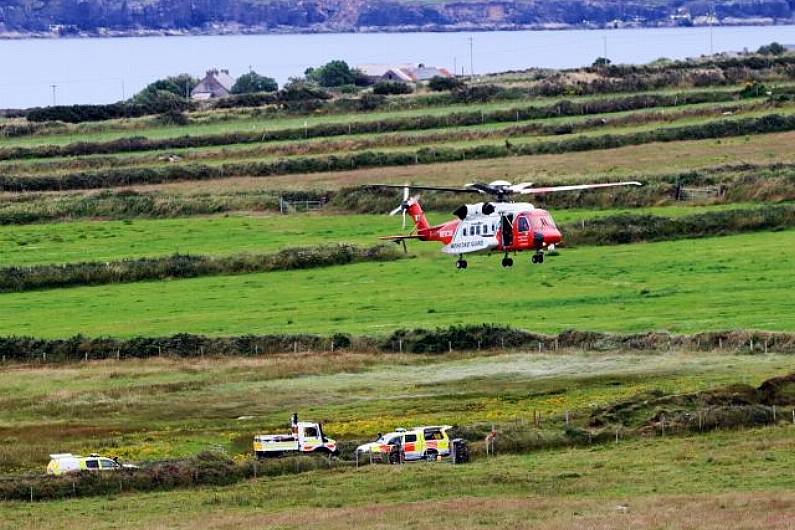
(118, 17)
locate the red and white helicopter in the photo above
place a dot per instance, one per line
(500, 226)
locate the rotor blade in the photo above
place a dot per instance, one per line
(428, 188)
(396, 210)
(552, 189)
(483, 188)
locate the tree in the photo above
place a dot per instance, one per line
(439, 83)
(774, 48)
(332, 74)
(179, 85)
(253, 82)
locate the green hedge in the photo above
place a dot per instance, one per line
(440, 340)
(204, 469)
(369, 159)
(183, 266)
(633, 228)
(322, 130)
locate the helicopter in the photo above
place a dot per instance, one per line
(501, 226)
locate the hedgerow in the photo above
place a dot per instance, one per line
(184, 266)
(440, 340)
(209, 468)
(368, 159)
(633, 228)
(321, 130)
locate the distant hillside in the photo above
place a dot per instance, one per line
(118, 17)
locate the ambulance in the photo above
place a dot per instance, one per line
(420, 443)
(63, 463)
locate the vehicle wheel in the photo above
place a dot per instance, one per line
(322, 451)
(507, 262)
(431, 455)
(394, 456)
(463, 264)
(534, 259)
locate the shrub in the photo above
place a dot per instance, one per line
(439, 83)
(392, 87)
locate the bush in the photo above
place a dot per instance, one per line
(774, 48)
(439, 83)
(392, 87)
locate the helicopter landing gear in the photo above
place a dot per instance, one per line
(507, 262)
(461, 263)
(538, 257)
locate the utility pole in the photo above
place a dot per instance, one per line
(471, 62)
(455, 66)
(123, 95)
(711, 51)
(53, 93)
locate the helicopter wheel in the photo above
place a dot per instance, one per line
(461, 264)
(538, 258)
(507, 262)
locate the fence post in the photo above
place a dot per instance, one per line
(567, 417)
(31, 494)
(450, 346)
(662, 424)
(400, 345)
(774, 414)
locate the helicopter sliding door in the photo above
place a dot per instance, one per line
(506, 230)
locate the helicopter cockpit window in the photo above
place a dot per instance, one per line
(524, 226)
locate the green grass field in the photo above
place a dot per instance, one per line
(219, 235)
(726, 282)
(147, 410)
(713, 482)
(117, 407)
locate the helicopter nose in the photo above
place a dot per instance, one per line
(552, 237)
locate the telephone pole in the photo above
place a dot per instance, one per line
(471, 62)
(53, 93)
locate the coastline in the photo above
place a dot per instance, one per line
(236, 29)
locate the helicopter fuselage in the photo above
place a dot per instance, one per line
(490, 227)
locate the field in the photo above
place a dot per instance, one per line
(601, 435)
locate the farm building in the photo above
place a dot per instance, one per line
(216, 84)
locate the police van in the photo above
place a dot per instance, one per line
(419, 443)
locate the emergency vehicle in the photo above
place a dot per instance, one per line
(304, 437)
(419, 443)
(63, 463)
